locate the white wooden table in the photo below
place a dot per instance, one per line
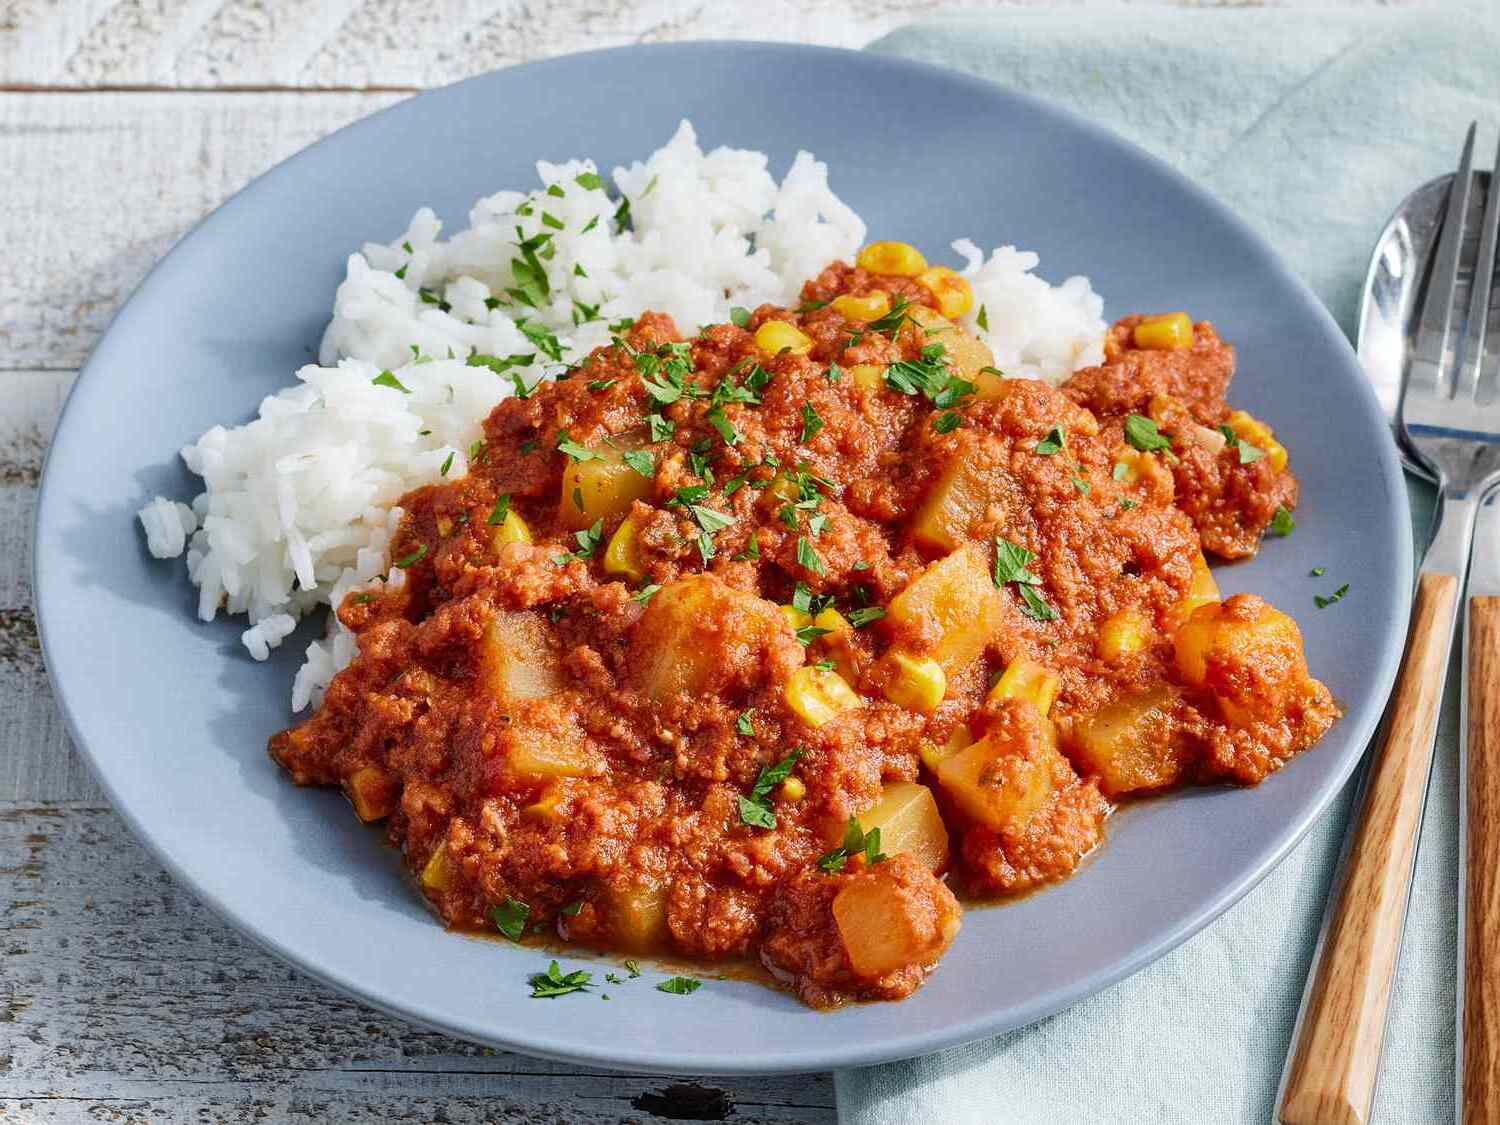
(121, 123)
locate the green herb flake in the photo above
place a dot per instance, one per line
(412, 559)
(577, 452)
(859, 618)
(856, 842)
(739, 317)
(745, 724)
(500, 510)
(552, 221)
(572, 909)
(679, 986)
(947, 422)
(811, 423)
(386, 379)
(755, 810)
(588, 181)
(809, 633)
(807, 557)
(633, 968)
(983, 319)
(646, 593)
(1142, 434)
(1317, 572)
(642, 461)
(1055, 442)
(1120, 471)
(1011, 562)
(447, 464)
(1323, 603)
(1248, 453)
(510, 918)
(1282, 522)
(554, 982)
(661, 428)
(716, 418)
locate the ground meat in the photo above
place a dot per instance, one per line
(611, 713)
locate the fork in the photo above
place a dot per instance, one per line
(1449, 419)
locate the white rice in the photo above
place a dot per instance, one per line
(299, 505)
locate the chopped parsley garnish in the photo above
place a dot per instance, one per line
(555, 191)
(578, 497)
(531, 285)
(556, 983)
(811, 422)
(751, 551)
(1055, 441)
(642, 461)
(588, 543)
(646, 593)
(745, 724)
(431, 298)
(983, 319)
(386, 379)
(500, 365)
(622, 214)
(601, 384)
(1317, 571)
(708, 519)
(1142, 434)
(549, 220)
(856, 842)
(809, 633)
(679, 986)
(755, 810)
(510, 918)
(947, 422)
(808, 557)
(592, 223)
(500, 510)
(1120, 471)
(539, 335)
(1282, 522)
(1323, 603)
(478, 451)
(412, 559)
(861, 565)
(891, 322)
(661, 428)
(862, 617)
(447, 464)
(584, 313)
(1011, 562)
(589, 181)
(1248, 453)
(811, 306)
(1081, 484)
(739, 317)
(633, 968)
(567, 445)
(407, 247)
(572, 909)
(716, 418)
(363, 599)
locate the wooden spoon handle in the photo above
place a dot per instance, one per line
(1481, 995)
(1332, 1074)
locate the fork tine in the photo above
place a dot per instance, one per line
(1435, 324)
(1472, 372)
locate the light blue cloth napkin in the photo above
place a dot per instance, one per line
(1312, 126)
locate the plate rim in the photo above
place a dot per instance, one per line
(833, 1055)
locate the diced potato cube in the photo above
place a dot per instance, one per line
(957, 595)
(955, 509)
(548, 807)
(512, 529)
(998, 785)
(1026, 679)
(1123, 634)
(1130, 743)
(536, 753)
(698, 630)
(868, 376)
(1247, 653)
(520, 659)
(817, 696)
(1165, 332)
(796, 618)
(908, 819)
(967, 355)
(836, 643)
(893, 259)
(602, 487)
(886, 926)
(917, 683)
(933, 756)
(637, 912)
(437, 873)
(1252, 430)
(622, 556)
(373, 791)
(1202, 590)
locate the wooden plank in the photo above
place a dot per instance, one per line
(122, 995)
(109, 182)
(382, 44)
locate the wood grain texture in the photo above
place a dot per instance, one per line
(1481, 994)
(1332, 1076)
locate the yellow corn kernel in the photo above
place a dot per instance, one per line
(797, 618)
(512, 529)
(917, 683)
(436, 875)
(868, 376)
(834, 644)
(776, 336)
(960, 739)
(1026, 679)
(623, 554)
(818, 695)
(1253, 431)
(1123, 633)
(954, 295)
(793, 789)
(548, 806)
(872, 306)
(444, 526)
(1165, 332)
(894, 259)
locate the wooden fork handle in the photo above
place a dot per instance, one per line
(1331, 1079)
(1481, 1093)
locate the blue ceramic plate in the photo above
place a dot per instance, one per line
(175, 716)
